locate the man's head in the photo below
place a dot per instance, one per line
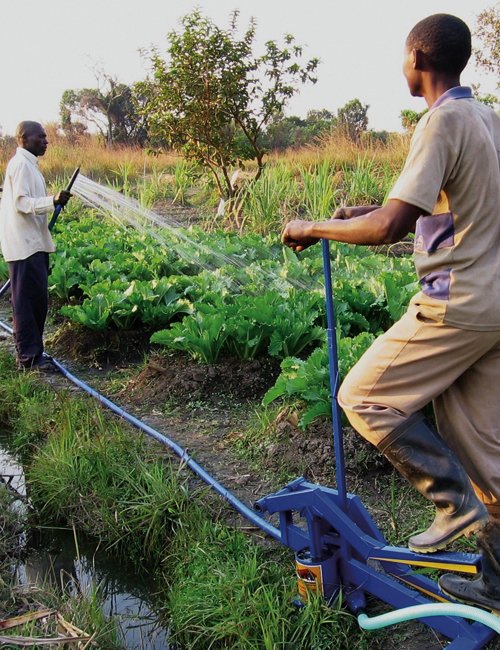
(32, 137)
(440, 44)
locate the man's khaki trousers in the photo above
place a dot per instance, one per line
(419, 361)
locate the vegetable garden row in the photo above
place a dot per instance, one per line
(269, 302)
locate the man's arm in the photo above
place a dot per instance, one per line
(21, 194)
(385, 225)
(351, 211)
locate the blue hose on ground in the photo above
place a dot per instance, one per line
(4, 326)
(432, 609)
(238, 505)
(5, 288)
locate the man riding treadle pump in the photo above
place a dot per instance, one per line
(446, 348)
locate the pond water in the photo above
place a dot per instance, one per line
(71, 562)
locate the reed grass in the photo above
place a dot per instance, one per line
(185, 175)
(366, 182)
(319, 193)
(339, 150)
(267, 203)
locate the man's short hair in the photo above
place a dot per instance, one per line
(445, 40)
(25, 128)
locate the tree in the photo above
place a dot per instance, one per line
(488, 32)
(292, 131)
(352, 119)
(487, 56)
(410, 119)
(111, 108)
(283, 132)
(214, 97)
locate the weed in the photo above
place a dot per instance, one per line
(267, 201)
(185, 175)
(366, 183)
(319, 191)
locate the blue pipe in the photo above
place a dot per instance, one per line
(7, 328)
(333, 368)
(238, 505)
(432, 609)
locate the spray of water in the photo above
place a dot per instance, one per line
(125, 210)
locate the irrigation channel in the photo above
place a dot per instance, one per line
(70, 564)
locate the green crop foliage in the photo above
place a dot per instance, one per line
(308, 381)
(201, 335)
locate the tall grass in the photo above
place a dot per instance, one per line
(312, 179)
(154, 187)
(268, 202)
(94, 474)
(367, 182)
(185, 176)
(236, 595)
(318, 190)
(94, 158)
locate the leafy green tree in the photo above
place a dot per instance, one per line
(111, 108)
(318, 122)
(283, 132)
(292, 131)
(352, 119)
(409, 118)
(214, 97)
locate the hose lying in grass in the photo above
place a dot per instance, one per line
(433, 609)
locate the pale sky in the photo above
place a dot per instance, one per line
(48, 46)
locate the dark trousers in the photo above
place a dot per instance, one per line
(29, 297)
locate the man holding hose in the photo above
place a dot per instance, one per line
(446, 348)
(26, 243)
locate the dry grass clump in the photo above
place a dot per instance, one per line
(95, 158)
(338, 151)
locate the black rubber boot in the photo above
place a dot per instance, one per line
(420, 455)
(485, 589)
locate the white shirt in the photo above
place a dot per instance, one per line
(24, 208)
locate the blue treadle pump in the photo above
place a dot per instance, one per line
(338, 547)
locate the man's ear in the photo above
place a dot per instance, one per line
(419, 60)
